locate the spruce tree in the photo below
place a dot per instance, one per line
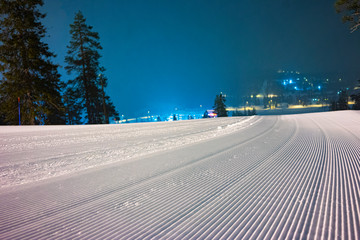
(86, 91)
(27, 72)
(219, 106)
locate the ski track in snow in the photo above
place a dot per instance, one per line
(273, 177)
(42, 153)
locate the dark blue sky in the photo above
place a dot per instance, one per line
(162, 54)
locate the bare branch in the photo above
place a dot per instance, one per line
(354, 28)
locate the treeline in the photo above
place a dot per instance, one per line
(220, 108)
(342, 101)
(31, 91)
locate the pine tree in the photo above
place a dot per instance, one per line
(253, 112)
(351, 12)
(356, 97)
(73, 108)
(105, 106)
(206, 114)
(333, 106)
(26, 68)
(237, 113)
(219, 106)
(343, 100)
(86, 91)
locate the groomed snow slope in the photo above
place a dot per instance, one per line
(270, 177)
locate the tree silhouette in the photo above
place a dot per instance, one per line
(219, 106)
(28, 75)
(351, 12)
(86, 91)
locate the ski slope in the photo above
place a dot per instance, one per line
(261, 177)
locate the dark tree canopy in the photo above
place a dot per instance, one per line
(343, 100)
(351, 12)
(26, 68)
(341, 103)
(356, 97)
(86, 92)
(219, 106)
(206, 114)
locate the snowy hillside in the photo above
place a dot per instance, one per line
(265, 177)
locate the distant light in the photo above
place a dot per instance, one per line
(291, 81)
(212, 114)
(319, 87)
(295, 88)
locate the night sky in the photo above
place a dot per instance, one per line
(166, 54)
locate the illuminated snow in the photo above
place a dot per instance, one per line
(265, 177)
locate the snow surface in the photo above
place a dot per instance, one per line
(260, 177)
(32, 153)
